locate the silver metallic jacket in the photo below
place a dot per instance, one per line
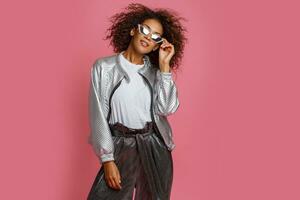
(106, 75)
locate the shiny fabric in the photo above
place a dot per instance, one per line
(143, 161)
(106, 75)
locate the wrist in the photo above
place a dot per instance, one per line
(108, 162)
(164, 68)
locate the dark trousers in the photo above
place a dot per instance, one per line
(144, 163)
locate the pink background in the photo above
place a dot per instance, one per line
(236, 131)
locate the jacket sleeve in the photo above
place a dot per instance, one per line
(166, 101)
(100, 135)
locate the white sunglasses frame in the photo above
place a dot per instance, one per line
(142, 26)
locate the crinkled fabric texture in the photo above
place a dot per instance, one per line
(144, 162)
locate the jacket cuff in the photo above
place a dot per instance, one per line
(107, 157)
(165, 75)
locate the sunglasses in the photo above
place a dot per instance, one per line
(145, 31)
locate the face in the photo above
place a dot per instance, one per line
(146, 43)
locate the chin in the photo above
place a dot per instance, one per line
(143, 50)
(140, 49)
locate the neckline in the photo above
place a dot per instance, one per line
(130, 63)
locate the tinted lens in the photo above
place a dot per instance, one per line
(144, 30)
(156, 38)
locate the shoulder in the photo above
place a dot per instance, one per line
(105, 62)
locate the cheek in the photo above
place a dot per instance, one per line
(155, 46)
(152, 45)
(137, 39)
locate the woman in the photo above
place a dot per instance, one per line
(131, 95)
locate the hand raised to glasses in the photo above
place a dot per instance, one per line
(166, 51)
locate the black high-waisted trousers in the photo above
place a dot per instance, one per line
(144, 163)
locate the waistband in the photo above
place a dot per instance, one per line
(118, 129)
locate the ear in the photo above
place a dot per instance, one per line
(132, 32)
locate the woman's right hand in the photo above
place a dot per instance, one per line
(112, 175)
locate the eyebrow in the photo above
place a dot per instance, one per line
(151, 29)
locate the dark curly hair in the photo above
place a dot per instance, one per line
(136, 13)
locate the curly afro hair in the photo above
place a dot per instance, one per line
(135, 13)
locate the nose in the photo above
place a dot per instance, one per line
(148, 38)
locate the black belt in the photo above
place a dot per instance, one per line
(119, 129)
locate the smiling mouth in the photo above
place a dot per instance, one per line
(143, 43)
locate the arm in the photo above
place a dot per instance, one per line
(100, 136)
(167, 101)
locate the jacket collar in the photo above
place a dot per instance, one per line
(143, 70)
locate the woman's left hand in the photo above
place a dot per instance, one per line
(166, 51)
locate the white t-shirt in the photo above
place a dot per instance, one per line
(130, 104)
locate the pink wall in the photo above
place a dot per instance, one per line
(237, 129)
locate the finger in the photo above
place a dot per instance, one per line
(166, 48)
(117, 183)
(109, 183)
(113, 184)
(168, 45)
(165, 40)
(119, 177)
(171, 47)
